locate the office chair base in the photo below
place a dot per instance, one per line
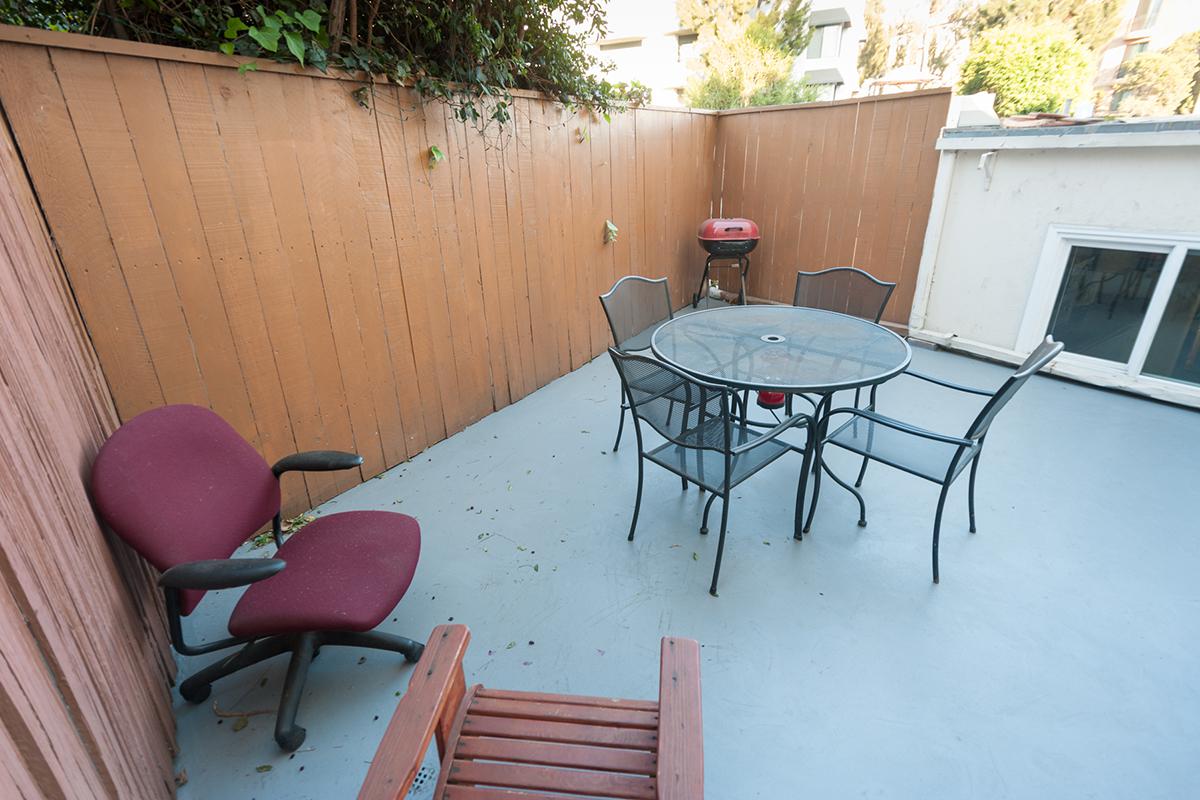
(304, 647)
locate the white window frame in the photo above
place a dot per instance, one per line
(1052, 266)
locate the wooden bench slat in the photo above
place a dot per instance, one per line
(681, 749)
(569, 699)
(563, 712)
(567, 732)
(480, 793)
(612, 759)
(525, 776)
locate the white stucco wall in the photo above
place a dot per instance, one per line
(992, 236)
(994, 248)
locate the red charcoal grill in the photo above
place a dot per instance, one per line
(726, 239)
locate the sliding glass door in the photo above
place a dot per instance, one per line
(1129, 307)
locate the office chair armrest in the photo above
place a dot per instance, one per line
(958, 387)
(220, 573)
(317, 461)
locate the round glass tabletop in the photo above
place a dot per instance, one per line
(781, 348)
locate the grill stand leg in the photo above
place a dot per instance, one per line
(703, 292)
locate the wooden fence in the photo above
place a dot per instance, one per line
(84, 705)
(278, 246)
(847, 183)
(265, 245)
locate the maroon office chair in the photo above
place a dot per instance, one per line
(183, 489)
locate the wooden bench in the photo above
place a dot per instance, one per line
(503, 745)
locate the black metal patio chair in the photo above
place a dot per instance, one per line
(635, 307)
(705, 442)
(936, 457)
(846, 290)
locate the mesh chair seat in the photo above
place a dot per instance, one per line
(706, 467)
(927, 458)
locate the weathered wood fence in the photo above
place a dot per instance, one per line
(271, 247)
(84, 709)
(265, 245)
(847, 183)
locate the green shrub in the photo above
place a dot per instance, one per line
(1153, 84)
(469, 53)
(747, 50)
(1030, 69)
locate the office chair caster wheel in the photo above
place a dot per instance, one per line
(195, 694)
(290, 740)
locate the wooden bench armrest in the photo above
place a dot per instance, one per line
(680, 733)
(427, 708)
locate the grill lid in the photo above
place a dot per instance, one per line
(718, 230)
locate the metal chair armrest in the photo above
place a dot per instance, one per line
(791, 422)
(904, 427)
(958, 387)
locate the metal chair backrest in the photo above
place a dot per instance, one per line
(1042, 355)
(675, 404)
(635, 306)
(846, 290)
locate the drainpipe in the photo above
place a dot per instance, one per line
(933, 239)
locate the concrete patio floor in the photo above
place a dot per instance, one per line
(1059, 657)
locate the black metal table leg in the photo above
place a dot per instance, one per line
(822, 426)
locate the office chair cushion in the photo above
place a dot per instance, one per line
(179, 484)
(345, 572)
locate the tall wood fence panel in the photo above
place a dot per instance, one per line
(847, 183)
(279, 246)
(84, 665)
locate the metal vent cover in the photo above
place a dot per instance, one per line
(425, 783)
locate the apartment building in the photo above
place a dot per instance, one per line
(1148, 26)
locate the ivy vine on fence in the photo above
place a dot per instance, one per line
(471, 54)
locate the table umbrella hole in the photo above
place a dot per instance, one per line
(773, 338)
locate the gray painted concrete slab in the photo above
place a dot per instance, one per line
(1058, 657)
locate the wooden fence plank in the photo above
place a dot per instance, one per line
(250, 183)
(84, 705)
(412, 243)
(39, 116)
(314, 141)
(117, 178)
(281, 160)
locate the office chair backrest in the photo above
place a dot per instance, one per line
(179, 484)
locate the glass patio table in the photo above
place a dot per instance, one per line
(789, 349)
(781, 349)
